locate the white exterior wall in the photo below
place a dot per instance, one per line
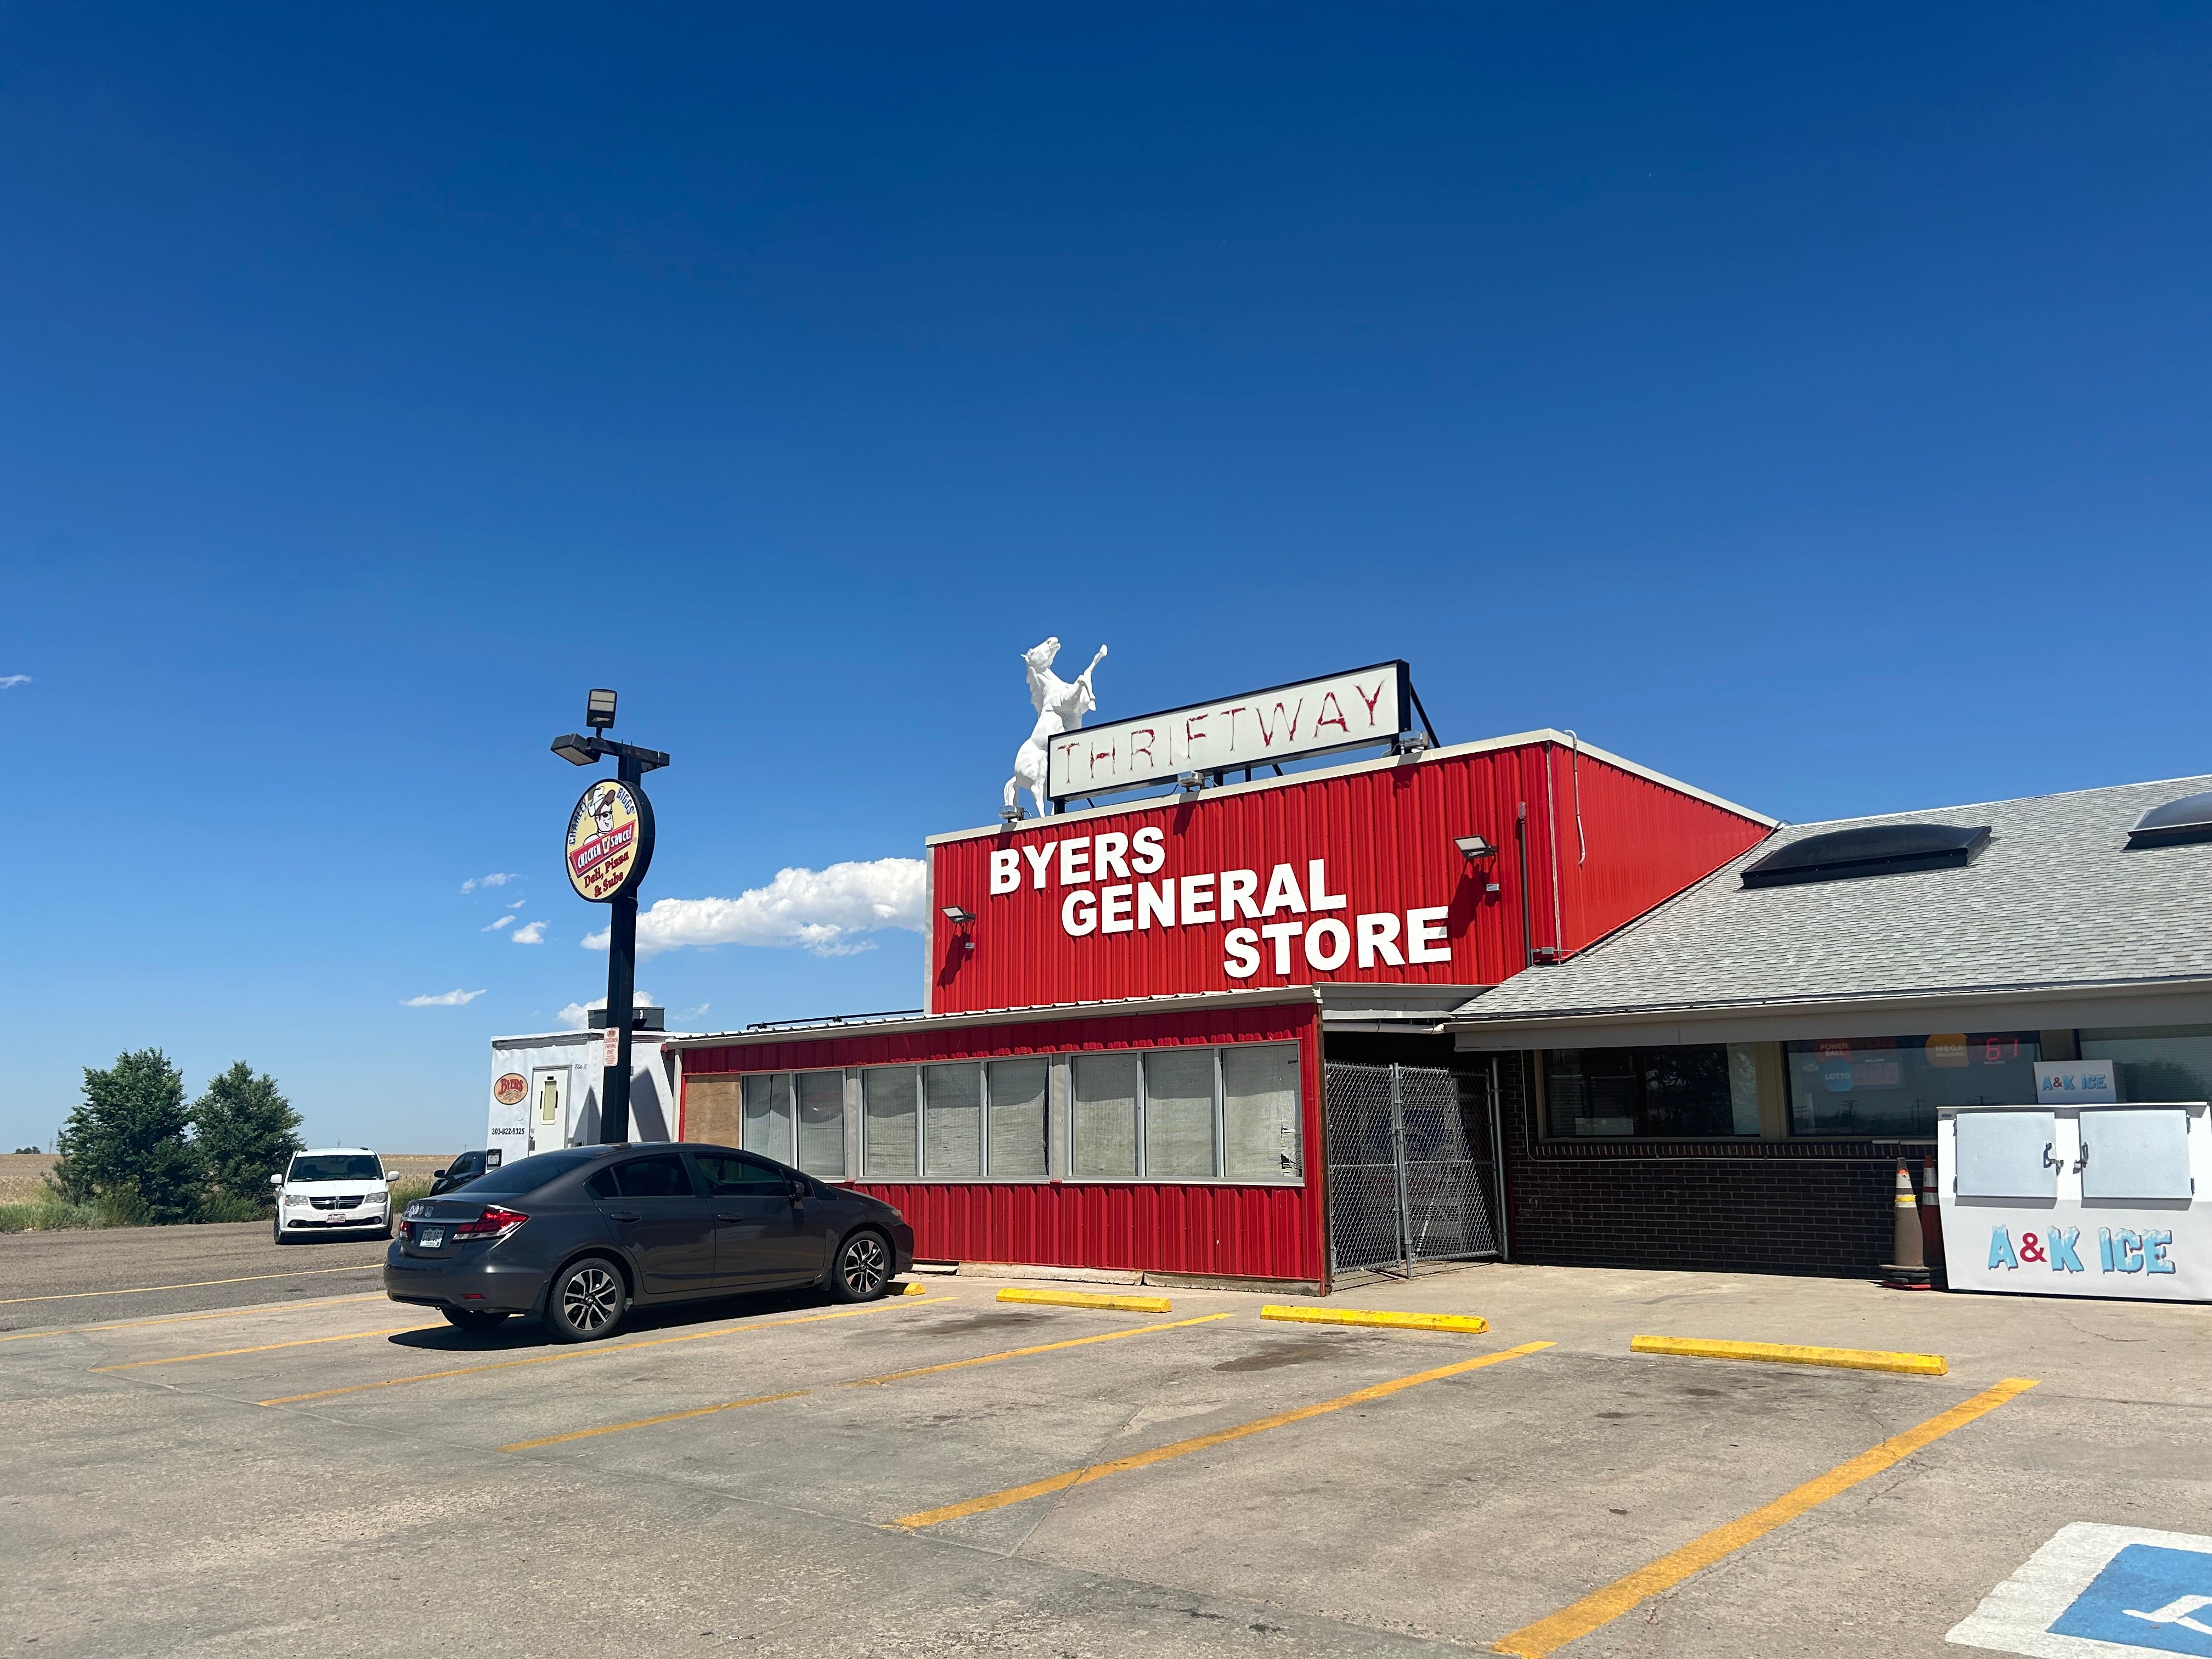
(570, 1063)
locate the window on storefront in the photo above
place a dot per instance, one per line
(821, 1124)
(2155, 1062)
(1182, 1113)
(796, 1118)
(1018, 1088)
(1693, 1091)
(952, 1120)
(891, 1114)
(1260, 1112)
(1892, 1086)
(1102, 1117)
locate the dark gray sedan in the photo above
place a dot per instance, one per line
(577, 1237)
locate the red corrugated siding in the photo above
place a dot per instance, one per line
(1255, 1232)
(1386, 836)
(1645, 842)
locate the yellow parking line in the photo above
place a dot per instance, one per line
(187, 1319)
(1601, 1607)
(666, 1417)
(585, 1352)
(857, 1383)
(1794, 1353)
(1084, 1476)
(195, 1285)
(266, 1347)
(1042, 1347)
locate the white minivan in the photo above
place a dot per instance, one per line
(332, 1189)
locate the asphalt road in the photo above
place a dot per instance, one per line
(943, 1473)
(130, 1272)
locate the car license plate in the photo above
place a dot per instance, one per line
(430, 1237)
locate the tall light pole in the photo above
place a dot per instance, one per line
(610, 848)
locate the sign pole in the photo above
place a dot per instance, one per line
(610, 848)
(622, 984)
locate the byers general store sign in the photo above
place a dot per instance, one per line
(1114, 882)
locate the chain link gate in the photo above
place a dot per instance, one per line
(1413, 1170)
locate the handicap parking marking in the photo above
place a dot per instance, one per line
(2122, 1592)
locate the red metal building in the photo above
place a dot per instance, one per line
(1120, 1061)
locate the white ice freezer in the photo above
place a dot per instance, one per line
(2077, 1200)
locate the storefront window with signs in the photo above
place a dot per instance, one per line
(1691, 1091)
(1892, 1086)
(2155, 1062)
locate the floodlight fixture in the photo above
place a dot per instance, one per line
(958, 917)
(1012, 815)
(1472, 847)
(599, 709)
(1191, 782)
(577, 750)
(1414, 743)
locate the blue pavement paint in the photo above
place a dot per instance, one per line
(2148, 1597)
(2117, 1592)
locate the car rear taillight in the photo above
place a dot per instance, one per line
(495, 1222)
(404, 1227)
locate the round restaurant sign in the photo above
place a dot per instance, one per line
(610, 840)
(510, 1089)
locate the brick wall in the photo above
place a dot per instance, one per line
(1813, 1207)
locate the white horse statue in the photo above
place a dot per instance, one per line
(1060, 706)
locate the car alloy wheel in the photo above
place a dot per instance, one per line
(863, 1266)
(591, 1299)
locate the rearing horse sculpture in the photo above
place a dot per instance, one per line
(1060, 706)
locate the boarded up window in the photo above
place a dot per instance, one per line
(711, 1110)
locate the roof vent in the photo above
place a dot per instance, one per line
(1881, 850)
(2176, 822)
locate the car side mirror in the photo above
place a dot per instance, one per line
(799, 1190)
(276, 1181)
(437, 1175)
(391, 1175)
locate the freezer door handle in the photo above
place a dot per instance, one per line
(2049, 1161)
(2082, 1162)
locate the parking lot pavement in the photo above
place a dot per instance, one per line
(102, 1274)
(945, 1472)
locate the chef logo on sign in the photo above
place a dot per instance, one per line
(606, 833)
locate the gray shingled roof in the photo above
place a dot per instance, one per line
(2054, 901)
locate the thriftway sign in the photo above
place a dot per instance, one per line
(1259, 728)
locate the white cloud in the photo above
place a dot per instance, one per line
(9, 682)
(443, 999)
(576, 1016)
(529, 933)
(518, 905)
(504, 921)
(496, 878)
(816, 910)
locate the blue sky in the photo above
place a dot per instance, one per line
(1812, 407)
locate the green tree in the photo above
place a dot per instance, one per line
(245, 1131)
(125, 1148)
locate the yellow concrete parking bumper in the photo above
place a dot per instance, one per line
(1397, 1322)
(1086, 1299)
(1790, 1353)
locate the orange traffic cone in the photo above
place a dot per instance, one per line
(1908, 1270)
(1931, 1220)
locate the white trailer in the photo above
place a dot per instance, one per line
(544, 1090)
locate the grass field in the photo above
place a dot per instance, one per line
(28, 1204)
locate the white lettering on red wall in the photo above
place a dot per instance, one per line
(1116, 884)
